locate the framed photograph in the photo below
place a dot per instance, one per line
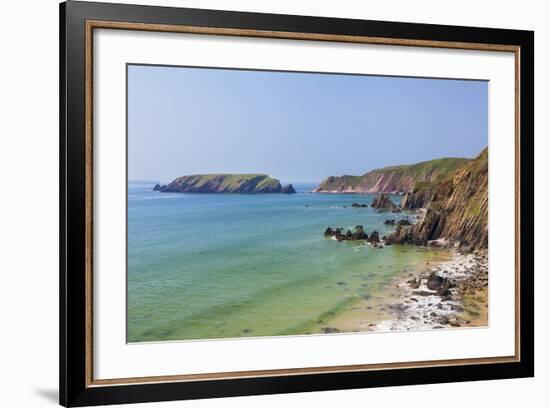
(256, 203)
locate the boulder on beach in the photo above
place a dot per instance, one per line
(439, 284)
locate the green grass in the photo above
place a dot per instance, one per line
(228, 181)
(420, 172)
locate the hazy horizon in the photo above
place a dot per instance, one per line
(296, 127)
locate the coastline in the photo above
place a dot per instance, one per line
(406, 303)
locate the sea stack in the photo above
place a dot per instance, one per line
(383, 201)
(288, 189)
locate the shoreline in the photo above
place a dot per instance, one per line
(406, 302)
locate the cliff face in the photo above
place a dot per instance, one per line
(392, 179)
(225, 184)
(456, 208)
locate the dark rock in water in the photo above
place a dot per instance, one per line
(383, 202)
(389, 222)
(288, 189)
(396, 210)
(404, 222)
(157, 187)
(357, 235)
(374, 237)
(358, 205)
(328, 330)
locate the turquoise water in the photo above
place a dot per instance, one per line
(206, 266)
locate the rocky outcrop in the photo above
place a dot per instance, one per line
(395, 179)
(225, 184)
(374, 237)
(439, 284)
(383, 202)
(420, 197)
(288, 189)
(456, 209)
(358, 234)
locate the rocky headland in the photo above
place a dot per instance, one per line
(225, 184)
(394, 179)
(449, 211)
(454, 209)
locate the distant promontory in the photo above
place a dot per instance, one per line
(225, 184)
(395, 179)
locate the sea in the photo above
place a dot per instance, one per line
(216, 266)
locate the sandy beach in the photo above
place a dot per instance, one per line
(407, 303)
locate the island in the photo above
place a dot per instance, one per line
(225, 184)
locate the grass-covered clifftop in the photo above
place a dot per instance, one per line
(392, 179)
(456, 208)
(225, 184)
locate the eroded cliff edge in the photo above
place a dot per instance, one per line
(394, 179)
(455, 209)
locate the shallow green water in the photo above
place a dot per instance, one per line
(218, 266)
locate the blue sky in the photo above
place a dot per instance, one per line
(297, 127)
